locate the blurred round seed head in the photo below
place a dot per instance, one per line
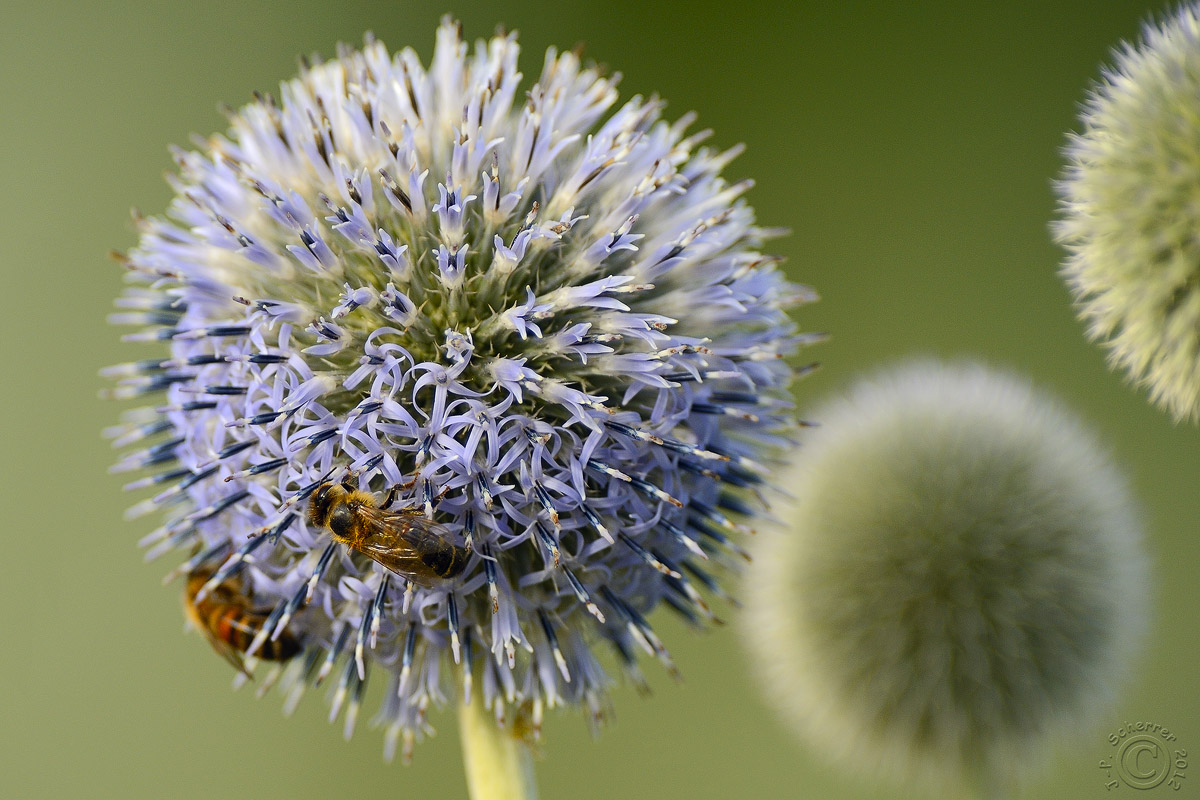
(1130, 213)
(957, 582)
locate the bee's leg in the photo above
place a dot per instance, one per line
(390, 497)
(429, 499)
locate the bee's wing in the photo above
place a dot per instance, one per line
(399, 540)
(221, 597)
(407, 525)
(228, 652)
(251, 623)
(222, 648)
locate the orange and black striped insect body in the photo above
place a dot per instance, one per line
(228, 619)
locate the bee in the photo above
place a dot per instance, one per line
(405, 540)
(228, 619)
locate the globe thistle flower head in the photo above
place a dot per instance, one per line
(1130, 209)
(957, 582)
(538, 322)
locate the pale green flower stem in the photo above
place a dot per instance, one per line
(499, 765)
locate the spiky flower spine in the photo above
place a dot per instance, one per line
(1130, 200)
(551, 322)
(957, 582)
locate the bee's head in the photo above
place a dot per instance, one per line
(323, 501)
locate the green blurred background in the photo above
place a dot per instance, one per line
(910, 147)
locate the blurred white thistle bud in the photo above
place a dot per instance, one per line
(958, 583)
(1130, 200)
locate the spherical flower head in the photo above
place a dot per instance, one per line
(957, 581)
(533, 325)
(1130, 202)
